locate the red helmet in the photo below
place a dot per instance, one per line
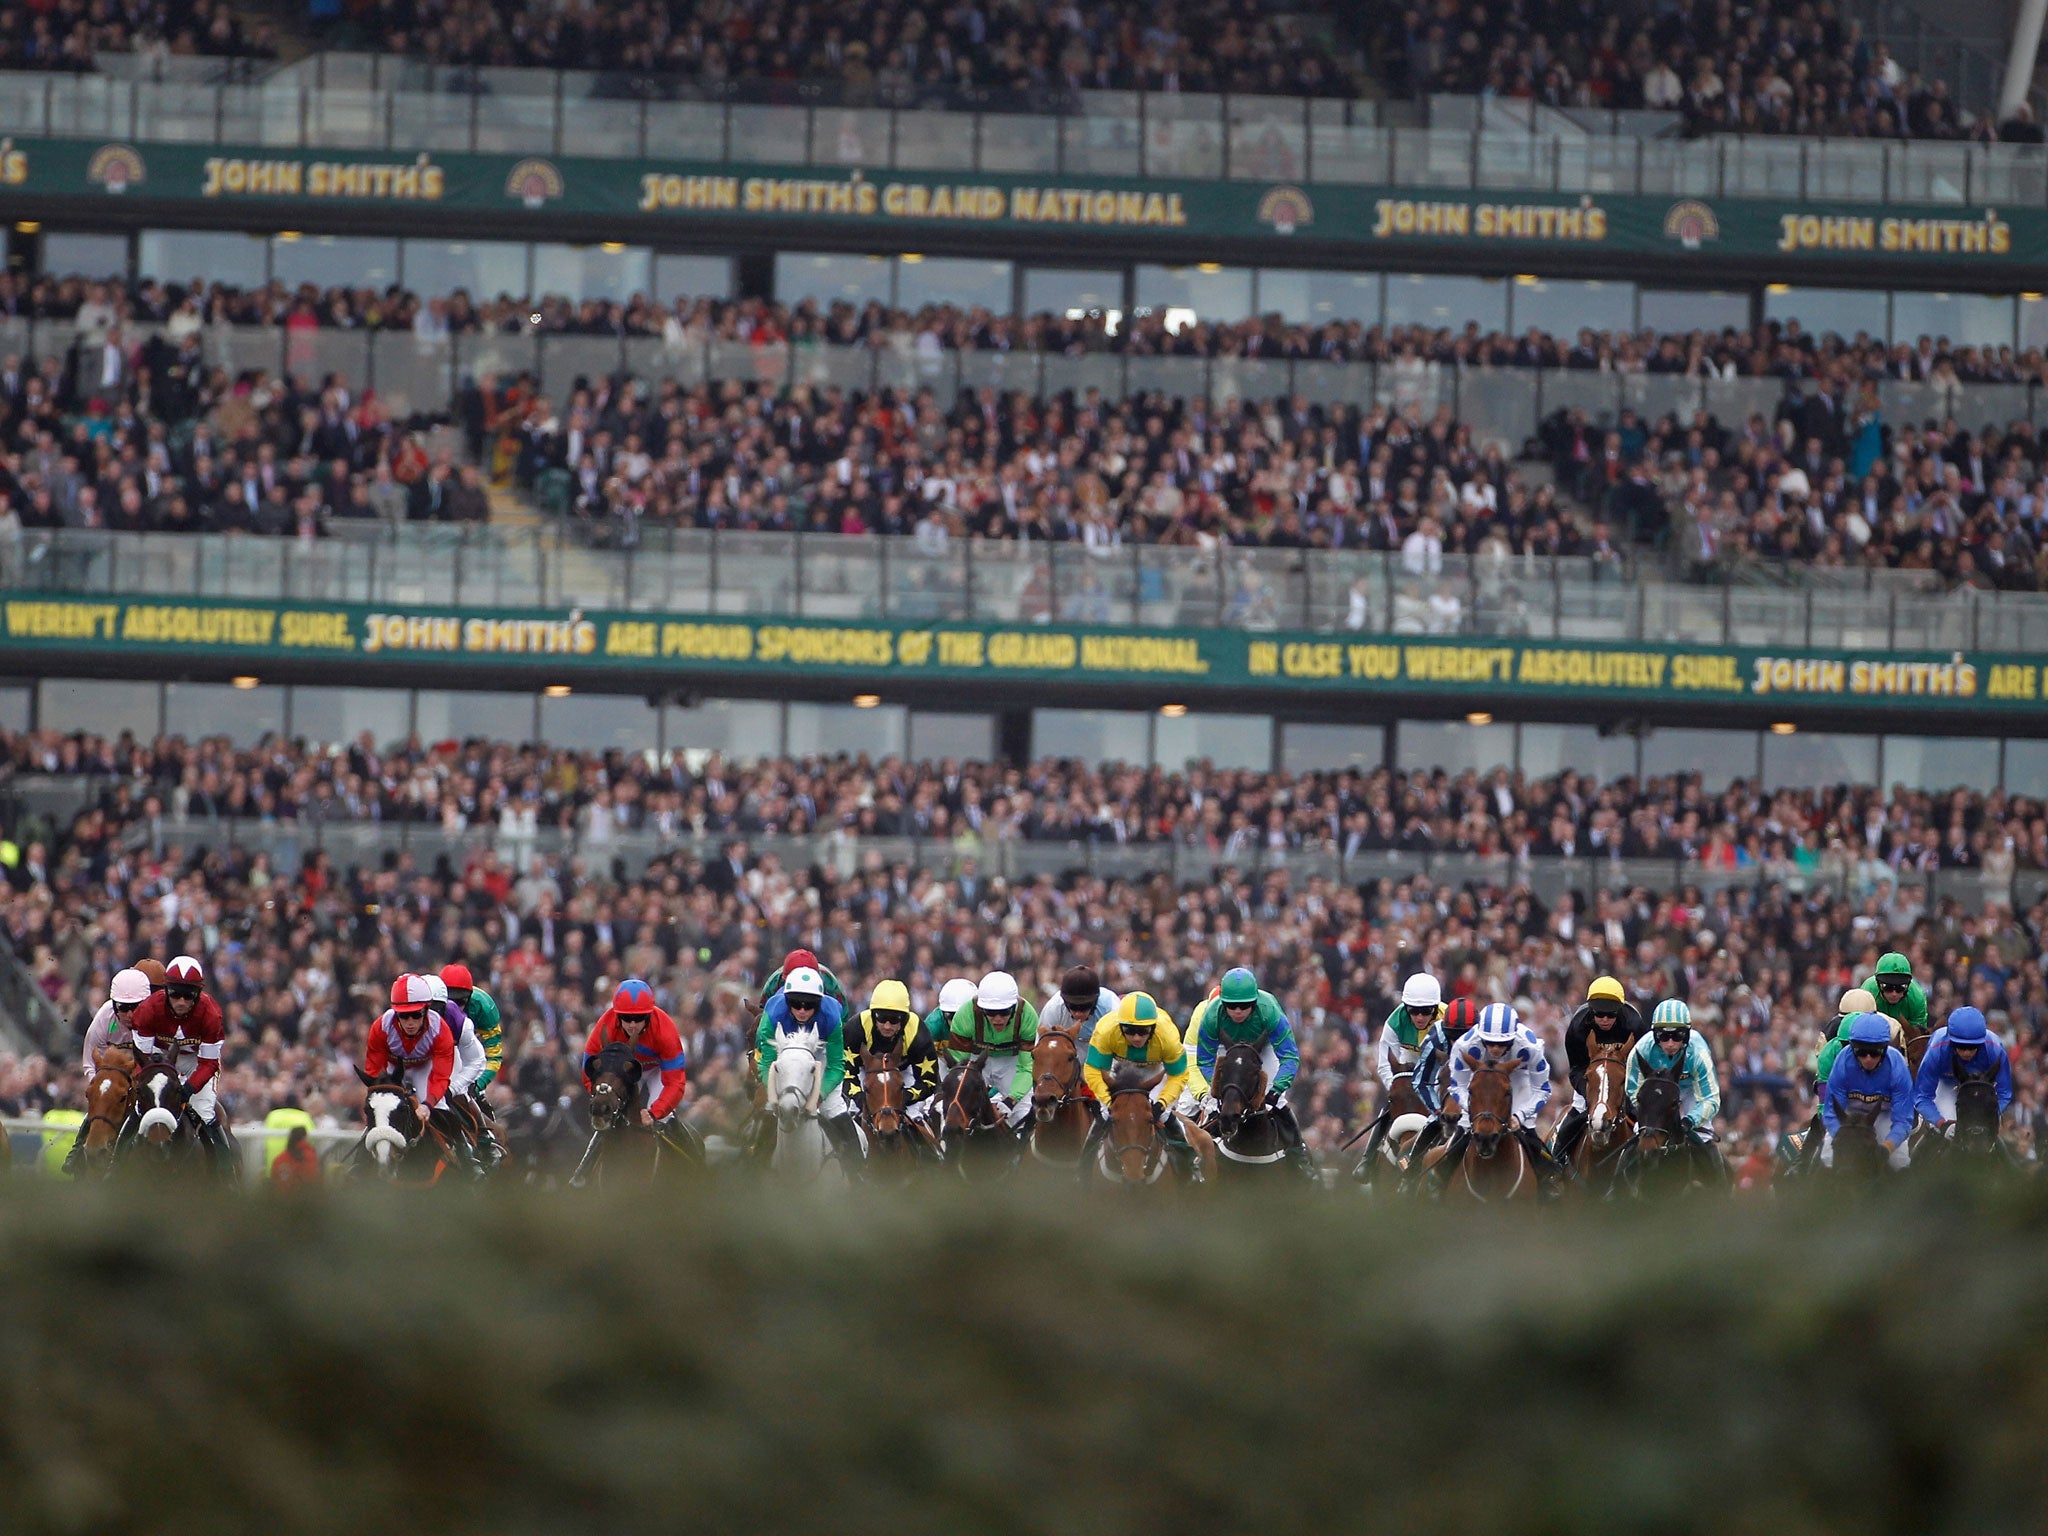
(633, 996)
(456, 978)
(184, 972)
(1462, 1014)
(409, 994)
(796, 958)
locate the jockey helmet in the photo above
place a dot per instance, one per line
(184, 972)
(633, 996)
(1239, 986)
(1460, 1016)
(1082, 982)
(1894, 964)
(1136, 1010)
(890, 997)
(409, 1000)
(997, 992)
(1671, 1014)
(130, 986)
(1870, 1029)
(1856, 1000)
(1966, 1027)
(1421, 991)
(798, 960)
(1497, 1022)
(955, 995)
(457, 978)
(801, 982)
(154, 970)
(1605, 989)
(437, 989)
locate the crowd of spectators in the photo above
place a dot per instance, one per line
(302, 956)
(1789, 69)
(70, 34)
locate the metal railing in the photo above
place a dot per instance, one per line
(28, 1019)
(1098, 133)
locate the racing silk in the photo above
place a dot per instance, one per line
(432, 1048)
(1910, 1010)
(1265, 1025)
(1531, 1074)
(1056, 1015)
(830, 1023)
(106, 1029)
(1699, 1088)
(1580, 1037)
(469, 1051)
(1400, 1040)
(659, 1049)
(967, 1033)
(1888, 1087)
(1824, 1058)
(1430, 1075)
(490, 1034)
(832, 988)
(913, 1053)
(1191, 1037)
(192, 1043)
(1941, 1069)
(1106, 1048)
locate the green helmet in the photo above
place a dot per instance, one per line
(1895, 964)
(1671, 1014)
(1240, 986)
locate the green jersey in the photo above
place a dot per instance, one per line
(1910, 1010)
(490, 1034)
(832, 987)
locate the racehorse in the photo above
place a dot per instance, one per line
(1609, 1127)
(165, 1134)
(893, 1136)
(1061, 1111)
(1857, 1151)
(109, 1101)
(1247, 1133)
(1403, 1118)
(1660, 1147)
(634, 1153)
(972, 1136)
(1495, 1166)
(398, 1140)
(1135, 1152)
(802, 1152)
(1976, 1128)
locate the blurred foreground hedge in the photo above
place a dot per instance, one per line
(950, 1360)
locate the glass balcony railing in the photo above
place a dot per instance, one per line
(365, 103)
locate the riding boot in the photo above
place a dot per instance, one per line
(1454, 1149)
(214, 1137)
(76, 1156)
(1179, 1148)
(449, 1124)
(1809, 1150)
(1098, 1132)
(845, 1139)
(1425, 1138)
(1565, 1140)
(1554, 1172)
(1297, 1148)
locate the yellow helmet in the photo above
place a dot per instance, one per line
(1137, 1010)
(890, 997)
(1607, 988)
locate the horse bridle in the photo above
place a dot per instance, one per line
(1046, 1109)
(133, 1078)
(1154, 1153)
(977, 1069)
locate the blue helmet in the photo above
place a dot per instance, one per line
(1870, 1029)
(1966, 1027)
(1497, 1021)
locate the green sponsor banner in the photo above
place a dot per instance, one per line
(1182, 664)
(271, 182)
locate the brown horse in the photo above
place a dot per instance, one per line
(893, 1135)
(621, 1148)
(1608, 1124)
(109, 1100)
(1135, 1154)
(972, 1136)
(1494, 1165)
(1062, 1110)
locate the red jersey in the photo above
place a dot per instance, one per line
(432, 1048)
(196, 1038)
(659, 1049)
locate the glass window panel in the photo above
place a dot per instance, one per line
(692, 277)
(1419, 299)
(1549, 750)
(593, 271)
(486, 268)
(597, 722)
(1306, 747)
(1718, 757)
(335, 261)
(801, 275)
(950, 280)
(243, 715)
(1562, 308)
(1224, 294)
(831, 729)
(1055, 290)
(1316, 298)
(446, 715)
(183, 255)
(1227, 741)
(1939, 762)
(69, 255)
(1967, 319)
(1453, 745)
(99, 707)
(1810, 759)
(2026, 767)
(935, 737)
(334, 716)
(1846, 312)
(1676, 311)
(742, 729)
(1092, 735)
(2033, 320)
(14, 707)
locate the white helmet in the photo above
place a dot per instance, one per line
(955, 995)
(1497, 1021)
(437, 989)
(1421, 991)
(997, 992)
(803, 982)
(130, 986)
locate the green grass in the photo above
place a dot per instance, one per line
(945, 1359)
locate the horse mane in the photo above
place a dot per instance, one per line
(1134, 1076)
(805, 1039)
(616, 1058)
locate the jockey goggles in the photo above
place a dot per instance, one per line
(184, 994)
(891, 1016)
(1238, 1009)
(1863, 1051)
(1604, 1013)
(802, 1002)
(1672, 1036)
(1893, 983)
(633, 1020)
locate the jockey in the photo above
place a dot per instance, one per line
(1422, 1004)
(953, 996)
(1675, 1050)
(1855, 1001)
(482, 1011)
(1431, 1078)
(1244, 1014)
(184, 1025)
(1962, 1051)
(801, 1003)
(998, 1020)
(420, 1044)
(635, 1020)
(110, 1026)
(470, 1063)
(1139, 1031)
(803, 959)
(1899, 997)
(1871, 1075)
(887, 1027)
(1606, 1017)
(1081, 1003)
(1500, 1038)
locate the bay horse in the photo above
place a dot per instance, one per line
(1134, 1154)
(109, 1101)
(1659, 1149)
(633, 1153)
(399, 1142)
(1494, 1165)
(164, 1135)
(1247, 1134)
(973, 1138)
(1062, 1109)
(1857, 1151)
(1609, 1127)
(894, 1136)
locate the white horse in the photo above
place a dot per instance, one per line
(802, 1151)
